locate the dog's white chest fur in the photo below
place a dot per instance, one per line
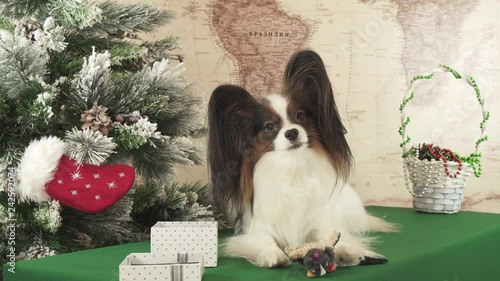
(292, 191)
(297, 199)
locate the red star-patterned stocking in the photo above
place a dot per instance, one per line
(89, 188)
(46, 172)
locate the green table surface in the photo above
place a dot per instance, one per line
(428, 247)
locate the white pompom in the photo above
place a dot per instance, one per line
(38, 166)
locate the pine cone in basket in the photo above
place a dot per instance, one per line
(424, 154)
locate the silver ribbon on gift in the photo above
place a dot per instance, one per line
(177, 272)
(182, 258)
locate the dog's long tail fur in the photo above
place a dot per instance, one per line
(379, 225)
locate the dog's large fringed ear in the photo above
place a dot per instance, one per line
(306, 81)
(231, 110)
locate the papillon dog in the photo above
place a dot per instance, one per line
(279, 165)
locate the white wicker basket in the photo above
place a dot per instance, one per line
(432, 189)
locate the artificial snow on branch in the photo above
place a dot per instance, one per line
(20, 60)
(93, 82)
(74, 14)
(88, 146)
(48, 216)
(136, 135)
(119, 19)
(22, 8)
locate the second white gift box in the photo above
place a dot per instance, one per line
(162, 266)
(199, 236)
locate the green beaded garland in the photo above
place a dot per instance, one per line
(408, 139)
(474, 158)
(406, 101)
(485, 119)
(404, 125)
(422, 77)
(411, 151)
(476, 88)
(485, 138)
(456, 74)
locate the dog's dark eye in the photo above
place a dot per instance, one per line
(300, 116)
(270, 127)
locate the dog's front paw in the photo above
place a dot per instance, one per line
(347, 256)
(272, 258)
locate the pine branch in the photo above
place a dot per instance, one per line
(38, 248)
(126, 52)
(17, 123)
(181, 116)
(158, 49)
(159, 202)
(119, 19)
(92, 84)
(125, 56)
(80, 44)
(128, 93)
(4, 106)
(72, 14)
(21, 61)
(161, 94)
(83, 231)
(28, 121)
(47, 216)
(64, 64)
(180, 113)
(154, 162)
(6, 24)
(188, 153)
(167, 44)
(17, 9)
(10, 158)
(88, 146)
(146, 196)
(67, 116)
(148, 89)
(26, 229)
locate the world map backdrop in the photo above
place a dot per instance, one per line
(371, 49)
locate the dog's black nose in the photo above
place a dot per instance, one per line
(292, 134)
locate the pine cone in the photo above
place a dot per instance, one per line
(423, 155)
(96, 119)
(29, 29)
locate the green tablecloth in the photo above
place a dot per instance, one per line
(430, 247)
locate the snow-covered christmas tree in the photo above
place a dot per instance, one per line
(78, 72)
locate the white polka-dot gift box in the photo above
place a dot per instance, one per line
(199, 236)
(162, 266)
